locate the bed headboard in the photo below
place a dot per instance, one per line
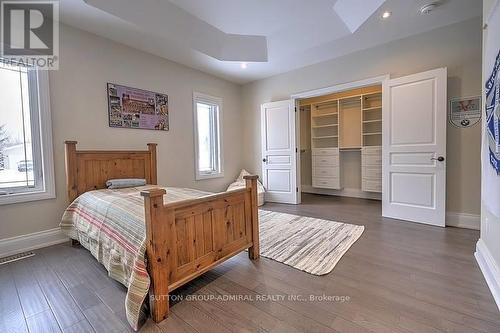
(88, 170)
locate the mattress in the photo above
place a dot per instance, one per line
(111, 225)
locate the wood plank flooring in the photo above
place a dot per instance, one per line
(398, 277)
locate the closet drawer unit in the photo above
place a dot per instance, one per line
(325, 151)
(331, 183)
(371, 172)
(371, 185)
(371, 159)
(326, 172)
(325, 161)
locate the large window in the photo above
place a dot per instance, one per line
(208, 146)
(26, 170)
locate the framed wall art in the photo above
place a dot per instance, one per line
(137, 108)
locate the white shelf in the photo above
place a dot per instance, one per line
(372, 121)
(372, 108)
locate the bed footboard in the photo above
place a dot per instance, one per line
(187, 238)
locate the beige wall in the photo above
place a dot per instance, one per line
(490, 224)
(79, 112)
(457, 47)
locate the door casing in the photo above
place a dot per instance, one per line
(325, 91)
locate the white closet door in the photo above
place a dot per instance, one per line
(279, 160)
(414, 147)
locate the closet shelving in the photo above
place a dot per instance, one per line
(345, 135)
(372, 119)
(324, 124)
(350, 122)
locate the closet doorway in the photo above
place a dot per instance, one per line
(379, 138)
(341, 143)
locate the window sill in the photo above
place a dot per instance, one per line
(26, 197)
(209, 176)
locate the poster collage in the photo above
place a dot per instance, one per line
(136, 108)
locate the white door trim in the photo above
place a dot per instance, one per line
(325, 91)
(341, 87)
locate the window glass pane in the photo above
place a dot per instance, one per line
(16, 158)
(205, 144)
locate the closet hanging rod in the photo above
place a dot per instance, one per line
(325, 137)
(325, 126)
(325, 115)
(326, 104)
(350, 100)
(350, 149)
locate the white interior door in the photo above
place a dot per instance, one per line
(279, 160)
(414, 147)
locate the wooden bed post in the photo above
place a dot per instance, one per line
(157, 251)
(71, 174)
(70, 149)
(251, 183)
(152, 166)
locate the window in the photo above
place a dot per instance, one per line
(26, 167)
(207, 132)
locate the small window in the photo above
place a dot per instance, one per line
(207, 130)
(26, 170)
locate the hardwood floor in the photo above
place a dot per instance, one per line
(398, 277)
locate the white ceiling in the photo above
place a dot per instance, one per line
(298, 32)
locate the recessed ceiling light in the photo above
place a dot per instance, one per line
(243, 65)
(386, 14)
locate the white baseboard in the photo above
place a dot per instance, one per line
(36, 240)
(489, 268)
(463, 220)
(453, 219)
(346, 192)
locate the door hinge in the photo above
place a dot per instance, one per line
(296, 189)
(296, 150)
(295, 109)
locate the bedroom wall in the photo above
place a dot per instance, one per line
(79, 112)
(457, 47)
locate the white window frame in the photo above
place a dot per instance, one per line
(204, 98)
(41, 124)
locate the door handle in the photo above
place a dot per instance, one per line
(264, 160)
(439, 159)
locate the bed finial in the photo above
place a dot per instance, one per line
(157, 251)
(251, 183)
(71, 165)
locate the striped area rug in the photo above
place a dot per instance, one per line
(309, 244)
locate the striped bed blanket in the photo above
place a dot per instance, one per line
(111, 225)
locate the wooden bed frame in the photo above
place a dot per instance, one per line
(184, 238)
